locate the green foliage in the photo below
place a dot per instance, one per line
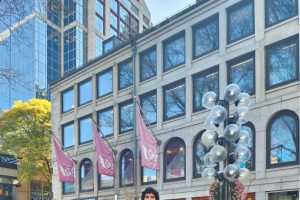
(25, 132)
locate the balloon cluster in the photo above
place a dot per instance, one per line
(232, 134)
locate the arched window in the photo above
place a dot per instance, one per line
(250, 164)
(86, 175)
(149, 176)
(199, 151)
(126, 168)
(283, 139)
(174, 160)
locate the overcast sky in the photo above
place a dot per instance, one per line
(161, 9)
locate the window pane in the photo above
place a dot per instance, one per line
(148, 64)
(283, 134)
(250, 164)
(124, 15)
(174, 101)
(206, 36)
(68, 135)
(240, 21)
(68, 188)
(126, 117)
(85, 92)
(105, 83)
(106, 122)
(114, 6)
(149, 175)
(99, 25)
(174, 52)
(67, 100)
(86, 176)
(199, 152)
(282, 63)
(85, 130)
(99, 8)
(149, 107)
(280, 10)
(98, 46)
(241, 72)
(106, 181)
(113, 20)
(175, 160)
(127, 170)
(290, 195)
(202, 83)
(125, 74)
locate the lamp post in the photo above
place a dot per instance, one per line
(228, 146)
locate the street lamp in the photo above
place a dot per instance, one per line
(228, 146)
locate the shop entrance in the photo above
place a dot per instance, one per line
(5, 192)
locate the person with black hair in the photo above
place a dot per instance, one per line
(150, 194)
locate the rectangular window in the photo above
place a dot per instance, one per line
(149, 106)
(106, 121)
(68, 188)
(38, 190)
(174, 100)
(174, 51)
(126, 117)
(282, 62)
(114, 5)
(85, 92)
(113, 20)
(85, 130)
(287, 195)
(105, 83)
(98, 46)
(68, 135)
(279, 10)
(148, 64)
(100, 8)
(241, 71)
(125, 74)
(203, 82)
(113, 32)
(124, 14)
(240, 22)
(67, 100)
(206, 36)
(105, 181)
(99, 24)
(146, 20)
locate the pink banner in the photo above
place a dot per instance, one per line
(64, 164)
(149, 147)
(104, 156)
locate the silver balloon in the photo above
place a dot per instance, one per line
(209, 99)
(242, 112)
(244, 175)
(232, 132)
(209, 138)
(219, 114)
(244, 99)
(231, 171)
(244, 138)
(208, 161)
(218, 153)
(209, 123)
(232, 92)
(209, 173)
(242, 154)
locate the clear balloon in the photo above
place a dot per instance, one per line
(208, 161)
(231, 171)
(209, 123)
(218, 153)
(209, 173)
(242, 154)
(219, 114)
(244, 138)
(242, 112)
(244, 175)
(232, 132)
(244, 99)
(232, 92)
(209, 138)
(209, 99)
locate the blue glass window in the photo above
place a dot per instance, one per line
(206, 36)
(100, 8)
(125, 74)
(68, 135)
(127, 168)
(174, 100)
(86, 175)
(105, 83)
(68, 188)
(126, 117)
(149, 107)
(241, 72)
(67, 100)
(98, 46)
(105, 181)
(106, 121)
(148, 176)
(250, 164)
(203, 82)
(99, 24)
(148, 62)
(240, 20)
(124, 15)
(85, 130)
(84, 92)
(114, 5)
(280, 10)
(54, 11)
(113, 20)
(282, 62)
(174, 51)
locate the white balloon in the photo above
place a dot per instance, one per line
(244, 138)
(218, 153)
(244, 99)
(242, 112)
(219, 114)
(242, 154)
(208, 161)
(231, 171)
(232, 132)
(209, 174)
(209, 123)
(209, 138)
(232, 92)
(209, 99)
(244, 175)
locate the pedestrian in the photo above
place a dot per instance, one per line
(150, 194)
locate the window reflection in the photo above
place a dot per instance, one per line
(105, 181)
(127, 170)
(125, 74)
(149, 106)
(86, 175)
(148, 175)
(148, 64)
(250, 164)
(85, 92)
(85, 130)
(126, 117)
(67, 100)
(199, 152)
(174, 100)
(68, 188)
(106, 121)
(68, 135)
(288, 195)
(105, 83)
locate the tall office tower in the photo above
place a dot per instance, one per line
(44, 39)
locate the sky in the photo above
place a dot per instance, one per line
(161, 9)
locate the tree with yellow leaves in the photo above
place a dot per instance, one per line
(25, 132)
